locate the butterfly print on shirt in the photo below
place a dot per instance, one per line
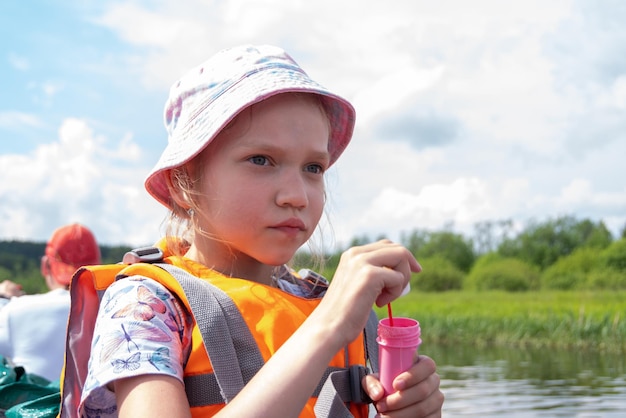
(160, 358)
(131, 363)
(144, 308)
(128, 333)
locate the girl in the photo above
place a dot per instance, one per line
(250, 138)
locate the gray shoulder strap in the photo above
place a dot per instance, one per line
(371, 346)
(344, 386)
(233, 352)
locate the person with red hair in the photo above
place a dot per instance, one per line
(32, 327)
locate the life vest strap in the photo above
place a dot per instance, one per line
(230, 346)
(202, 390)
(370, 332)
(339, 389)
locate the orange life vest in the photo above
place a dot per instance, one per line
(270, 314)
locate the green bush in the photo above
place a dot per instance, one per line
(607, 278)
(614, 256)
(438, 275)
(563, 280)
(571, 271)
(492, 272)
(453, 247)
(543, 243)
(487, 258)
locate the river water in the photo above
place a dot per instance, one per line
(524, 383)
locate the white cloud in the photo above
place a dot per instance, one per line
(76, 178)
(576, 192)
(393, 89)
(142, 27)
(613, 96)
(580, 193)
(51, 88)
(43, 93)
(14, 119)
(18, 62)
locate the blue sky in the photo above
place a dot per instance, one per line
(466, 111)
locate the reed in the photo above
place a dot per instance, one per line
(567, 319)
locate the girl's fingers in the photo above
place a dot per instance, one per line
(375, 273)
(386, 254)
(383, 267)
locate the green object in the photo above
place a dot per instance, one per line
(47, 406)
(24, 395)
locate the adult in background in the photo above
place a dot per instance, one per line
(32, 327)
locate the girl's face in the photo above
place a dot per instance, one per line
(262, 186)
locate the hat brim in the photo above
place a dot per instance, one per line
(191, 139)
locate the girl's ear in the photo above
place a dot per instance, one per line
(179, 196)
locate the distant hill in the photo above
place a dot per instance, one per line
(34, 250)
(20, 260)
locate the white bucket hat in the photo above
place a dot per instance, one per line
(208, 97)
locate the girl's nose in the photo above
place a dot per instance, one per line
(292, 191)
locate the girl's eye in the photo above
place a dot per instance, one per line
(314, 168)
(259, 160)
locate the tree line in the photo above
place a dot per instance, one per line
(558, 253)
(564, 253)
(20, 262)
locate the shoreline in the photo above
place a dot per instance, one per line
(582, 320)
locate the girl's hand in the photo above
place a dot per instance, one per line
(417, 395)
(371, 274)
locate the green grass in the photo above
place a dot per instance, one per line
(567, 319)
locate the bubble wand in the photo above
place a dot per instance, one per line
(390, 314)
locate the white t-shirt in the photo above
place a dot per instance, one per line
(32, 332)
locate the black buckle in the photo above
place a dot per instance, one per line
(357, 393)
(143, 255)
